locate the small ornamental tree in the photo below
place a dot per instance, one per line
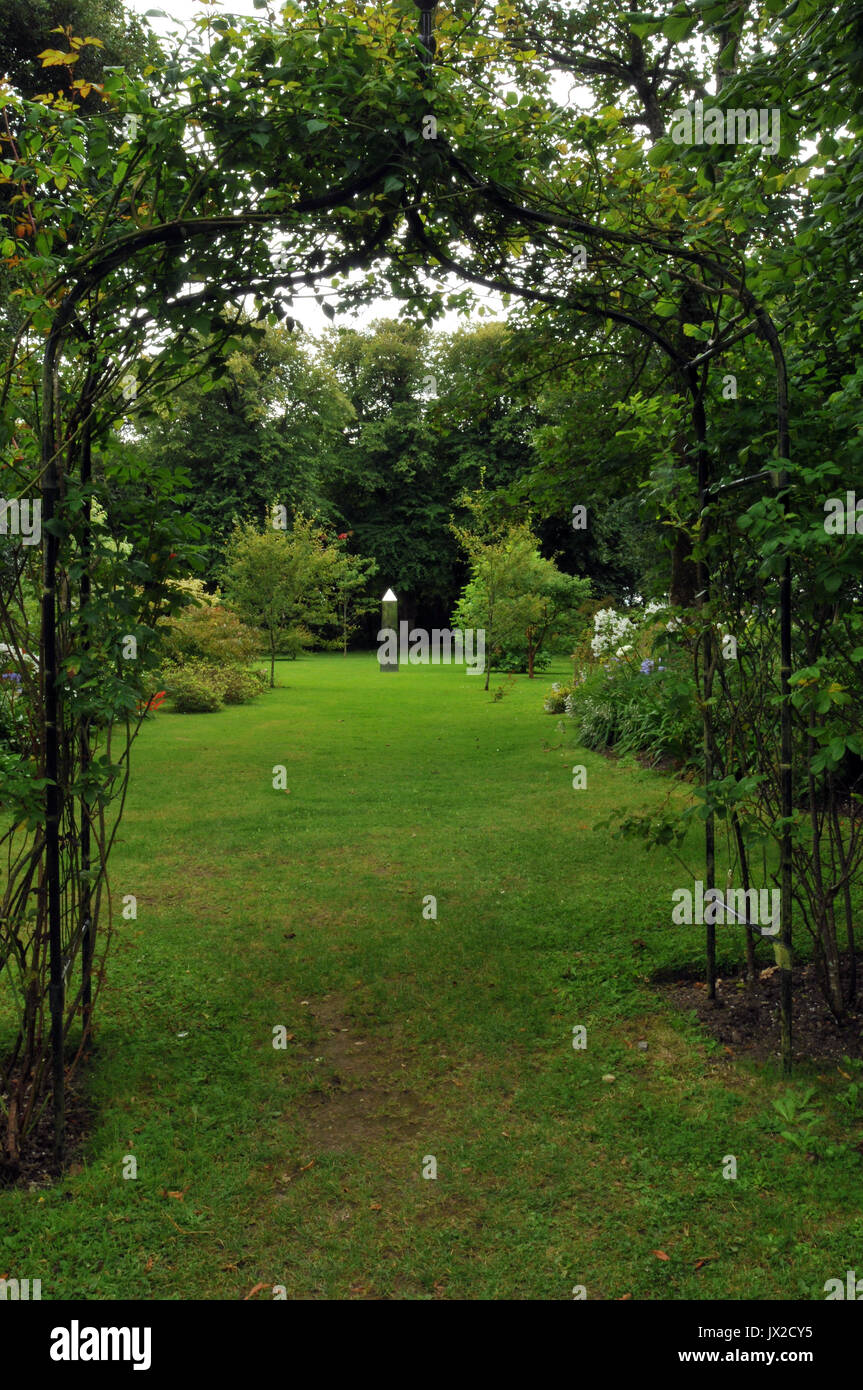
(350, 578)
(517, 596)
(280, 581)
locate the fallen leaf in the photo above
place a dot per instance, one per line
(375, 1206)
(661, 1255)
(624, 1297)
(706, 1259)
(256, 1289)
(149, 1265)
(289, 1177)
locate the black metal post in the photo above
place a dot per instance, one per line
(51, 742)
(83, 731)
(427, 9)
(780, 481)
(786, 958)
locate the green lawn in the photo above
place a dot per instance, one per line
(410, 1037)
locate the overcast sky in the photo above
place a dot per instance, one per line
(179, 13)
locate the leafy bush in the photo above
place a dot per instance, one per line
(514, 659)
(642, 709)
(194, 688)
(295, 640)
(13, 724)
(211, 633)
(239, 686)
(555, 700)
(208, 649)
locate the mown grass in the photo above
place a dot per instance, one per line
(412, 1037)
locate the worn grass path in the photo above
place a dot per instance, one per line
(410, 1038)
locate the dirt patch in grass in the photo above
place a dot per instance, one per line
(360, 1101)
(37, 1167)
(746, 1021)
(337, 1120)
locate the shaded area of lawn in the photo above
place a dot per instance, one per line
(409, 1039)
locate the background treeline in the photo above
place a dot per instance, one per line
(380, 432)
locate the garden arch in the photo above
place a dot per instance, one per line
(362, 211)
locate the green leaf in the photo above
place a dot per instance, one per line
(679, 27)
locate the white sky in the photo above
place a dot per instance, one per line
(179, 14)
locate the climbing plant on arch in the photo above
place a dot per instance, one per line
(573, 213)
(260, 164)
(139, 237)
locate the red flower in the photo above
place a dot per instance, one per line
(343, 535)
(155, 702)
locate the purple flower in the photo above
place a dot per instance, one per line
(646, 666)
(11, 676)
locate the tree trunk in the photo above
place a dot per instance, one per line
(683, 585)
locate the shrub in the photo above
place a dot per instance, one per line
(633, 709)
(295, 640)
(194, 688)
(212, 633)
(514, 660)
(239, 686)
(13, 723)
(555, 700)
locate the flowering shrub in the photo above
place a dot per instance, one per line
(609, 631)
(635, 710)
(12, 716)
(618, 634)
(555, 700)
(627, 699)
